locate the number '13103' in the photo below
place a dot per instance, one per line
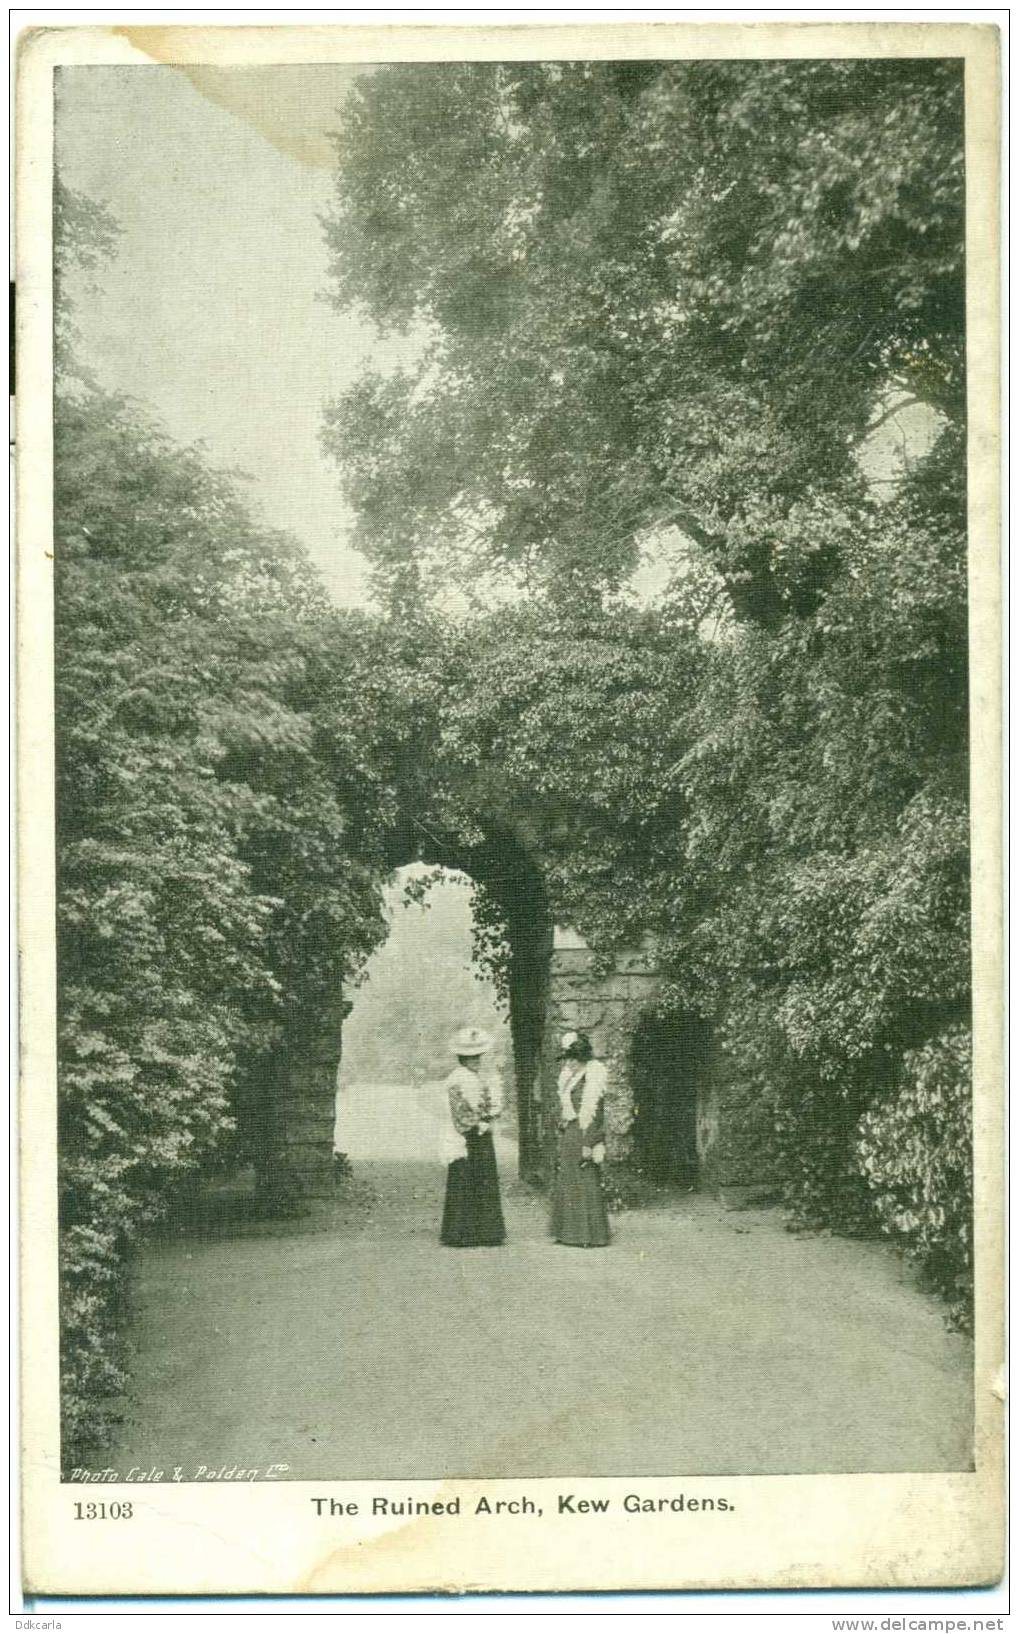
(102, 1512)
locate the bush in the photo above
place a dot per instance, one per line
(786, 811)
(914, 1149)
(211, 768)
(628, 1186)
(768, 769)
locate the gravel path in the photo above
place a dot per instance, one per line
(353, 1346)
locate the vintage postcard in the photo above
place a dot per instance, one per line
(510, 893)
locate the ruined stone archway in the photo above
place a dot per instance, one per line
(556, 981)
(298, 1159)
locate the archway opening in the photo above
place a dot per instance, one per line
(297, 1132)
(670, 1067)
(422, 985)
(496, 867)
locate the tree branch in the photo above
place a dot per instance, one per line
(907, 402)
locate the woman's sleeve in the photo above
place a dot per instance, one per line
(464, 1115)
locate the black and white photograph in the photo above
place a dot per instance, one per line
(511, 564)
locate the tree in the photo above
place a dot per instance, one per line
(84, 237)
(645, 294)
(649, 295)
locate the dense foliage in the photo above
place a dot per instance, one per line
(690, 296)
(646, 293)
(913, 1148)
(787, 813)
(219, 823)
(646, 297)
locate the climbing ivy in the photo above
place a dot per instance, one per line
(682, 296)
(786, 811)
(914, 1149)
(690, 295)
(225, 766)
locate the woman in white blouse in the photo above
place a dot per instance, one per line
(579, 1215)
(472, 1216)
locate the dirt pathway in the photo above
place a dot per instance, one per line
(699, 1342)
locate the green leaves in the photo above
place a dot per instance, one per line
(641, 301)
(217, 748)
(787, 812)
(642, 293)
(915, 1149)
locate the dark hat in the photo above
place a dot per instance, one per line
(574, 1046)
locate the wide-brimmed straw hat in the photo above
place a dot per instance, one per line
(470, 1041)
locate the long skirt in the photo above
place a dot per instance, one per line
(472, 1217)
(579, 1215)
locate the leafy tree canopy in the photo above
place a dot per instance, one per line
(646, 294)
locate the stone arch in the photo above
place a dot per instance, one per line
(297, 1134)
(557, 981)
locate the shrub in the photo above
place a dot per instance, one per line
(914, 1148)
(209, 893)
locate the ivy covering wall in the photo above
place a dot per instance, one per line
(680, 322)
(218, 842)
(682, 303)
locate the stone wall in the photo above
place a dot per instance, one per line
(606, 1005)
(607, 1008)
(304, 1114)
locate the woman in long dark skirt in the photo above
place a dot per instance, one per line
(579, 1216)
(472, 1216)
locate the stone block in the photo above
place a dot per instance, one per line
(570, 989)
(564, 939)
(310, 1123)
(568, 961)
(642, 988)
(310, 1078)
